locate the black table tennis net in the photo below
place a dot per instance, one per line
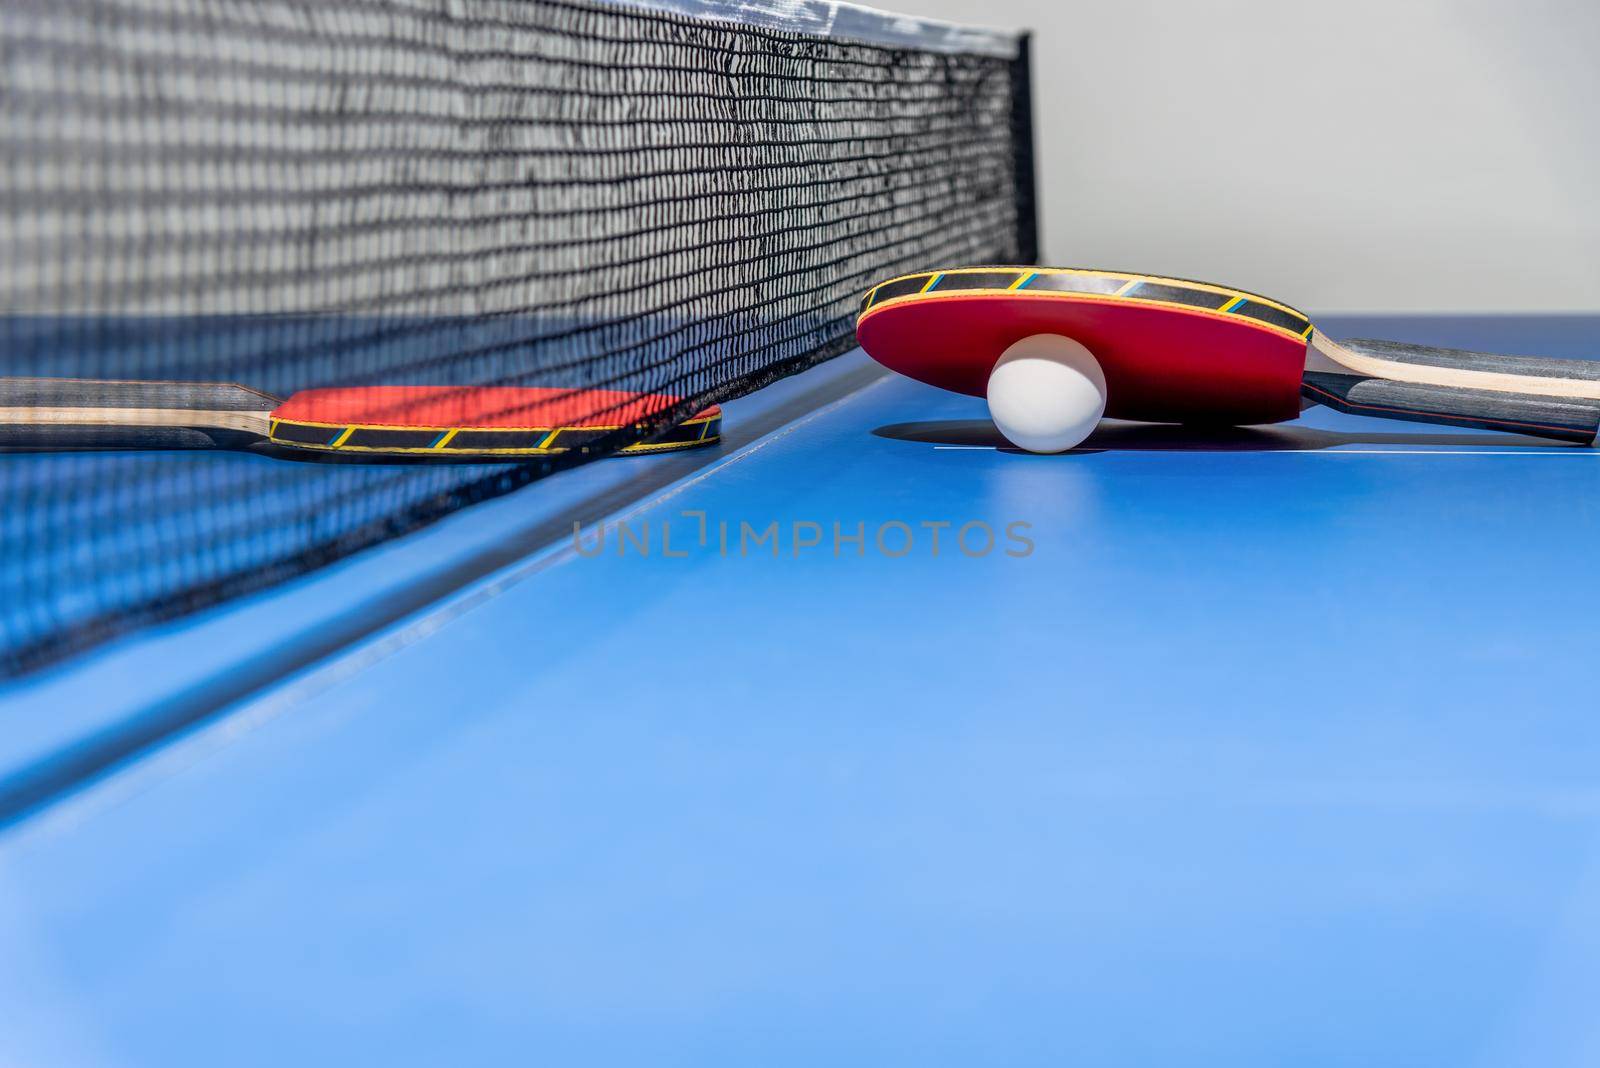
(299, 193)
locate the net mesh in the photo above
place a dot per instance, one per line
(466, 193)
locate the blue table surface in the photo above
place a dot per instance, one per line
(1280, 746)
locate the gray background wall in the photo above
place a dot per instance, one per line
(1341, 155)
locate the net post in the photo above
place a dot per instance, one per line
(1022, 133)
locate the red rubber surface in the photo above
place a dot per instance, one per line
(1162, 364)
(474, 407)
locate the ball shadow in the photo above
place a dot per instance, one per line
(1116, 435)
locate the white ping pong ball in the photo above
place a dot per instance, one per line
(1046, 393)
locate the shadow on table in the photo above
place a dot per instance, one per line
(1114, 435)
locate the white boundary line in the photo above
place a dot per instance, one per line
(1465, 450)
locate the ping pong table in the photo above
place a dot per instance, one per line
(1234, 747)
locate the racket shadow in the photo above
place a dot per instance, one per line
(1116, 435)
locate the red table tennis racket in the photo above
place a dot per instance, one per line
(362, 422)
(1175, 351)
